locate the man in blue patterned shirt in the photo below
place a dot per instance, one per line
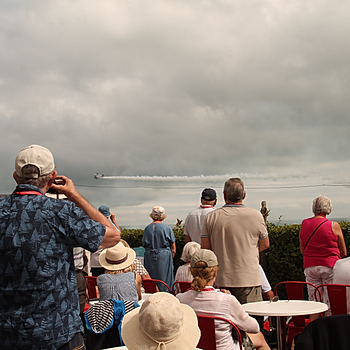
(39, 307)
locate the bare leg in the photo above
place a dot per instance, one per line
(259, 341)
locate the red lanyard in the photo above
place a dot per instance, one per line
(207, 289)
(37, 193)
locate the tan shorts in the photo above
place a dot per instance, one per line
(246, 294)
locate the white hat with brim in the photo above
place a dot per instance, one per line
(161, 323)
(117, 258)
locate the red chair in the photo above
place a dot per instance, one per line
(182, 285)
(150, 285)
(296, 291)
(337, 297)
(91, 284)
(207, 340)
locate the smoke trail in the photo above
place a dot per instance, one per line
(207, 178)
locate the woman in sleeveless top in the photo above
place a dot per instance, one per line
(119, 281)
(322, 244)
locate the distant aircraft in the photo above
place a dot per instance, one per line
(98, 176)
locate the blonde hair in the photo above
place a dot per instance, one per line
(202, 274)
(125, 243)
(130, 268)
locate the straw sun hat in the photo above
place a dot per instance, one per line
(161, 323)
(117, 258)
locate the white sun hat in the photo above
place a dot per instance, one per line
(161, 323)
(117, 258)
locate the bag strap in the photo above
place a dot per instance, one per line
(314, 232)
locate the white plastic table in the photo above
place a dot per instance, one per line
(281, 309)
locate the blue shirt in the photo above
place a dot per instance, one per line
(121, 286)
(39, 305)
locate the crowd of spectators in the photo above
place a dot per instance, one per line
(43, 245)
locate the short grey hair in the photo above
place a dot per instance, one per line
(234, 190)
(322, 205)
(40, 181)
(189, 249)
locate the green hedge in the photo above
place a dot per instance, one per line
(283, 260)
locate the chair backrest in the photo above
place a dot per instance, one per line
(183, 286)
(337, 297)
(150, 285)
(296, 290)
(207, 340)
(91, 283)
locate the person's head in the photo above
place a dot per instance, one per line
(161, 322)
(322, 205)
(234, 190)
(208, 197)
(104, 209)
(189, 249)
(204, 266)
(158, 214)
(34, 165)
(117, 259)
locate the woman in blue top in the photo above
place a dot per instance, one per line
(119, 281)
(159, 243)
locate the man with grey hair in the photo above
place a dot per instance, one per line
(194, 220)
(236, 235)
(39, 305)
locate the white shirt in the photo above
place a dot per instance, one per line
(341, 275)
(265, 287)
(183, 274)
(194, 222)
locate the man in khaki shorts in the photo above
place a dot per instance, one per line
(236, 235)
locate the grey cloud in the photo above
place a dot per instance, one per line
(175, 88)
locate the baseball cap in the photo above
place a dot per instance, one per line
(209, 194)
(35, 155)
(205, 255)
(104, 210)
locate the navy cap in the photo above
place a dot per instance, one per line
(209, 194)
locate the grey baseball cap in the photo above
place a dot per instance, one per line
(205, 255)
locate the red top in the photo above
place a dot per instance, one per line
(322, 249)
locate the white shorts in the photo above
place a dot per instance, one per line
(318, 275)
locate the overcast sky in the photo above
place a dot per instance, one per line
(202, 90)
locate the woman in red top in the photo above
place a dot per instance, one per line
(322, 244)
